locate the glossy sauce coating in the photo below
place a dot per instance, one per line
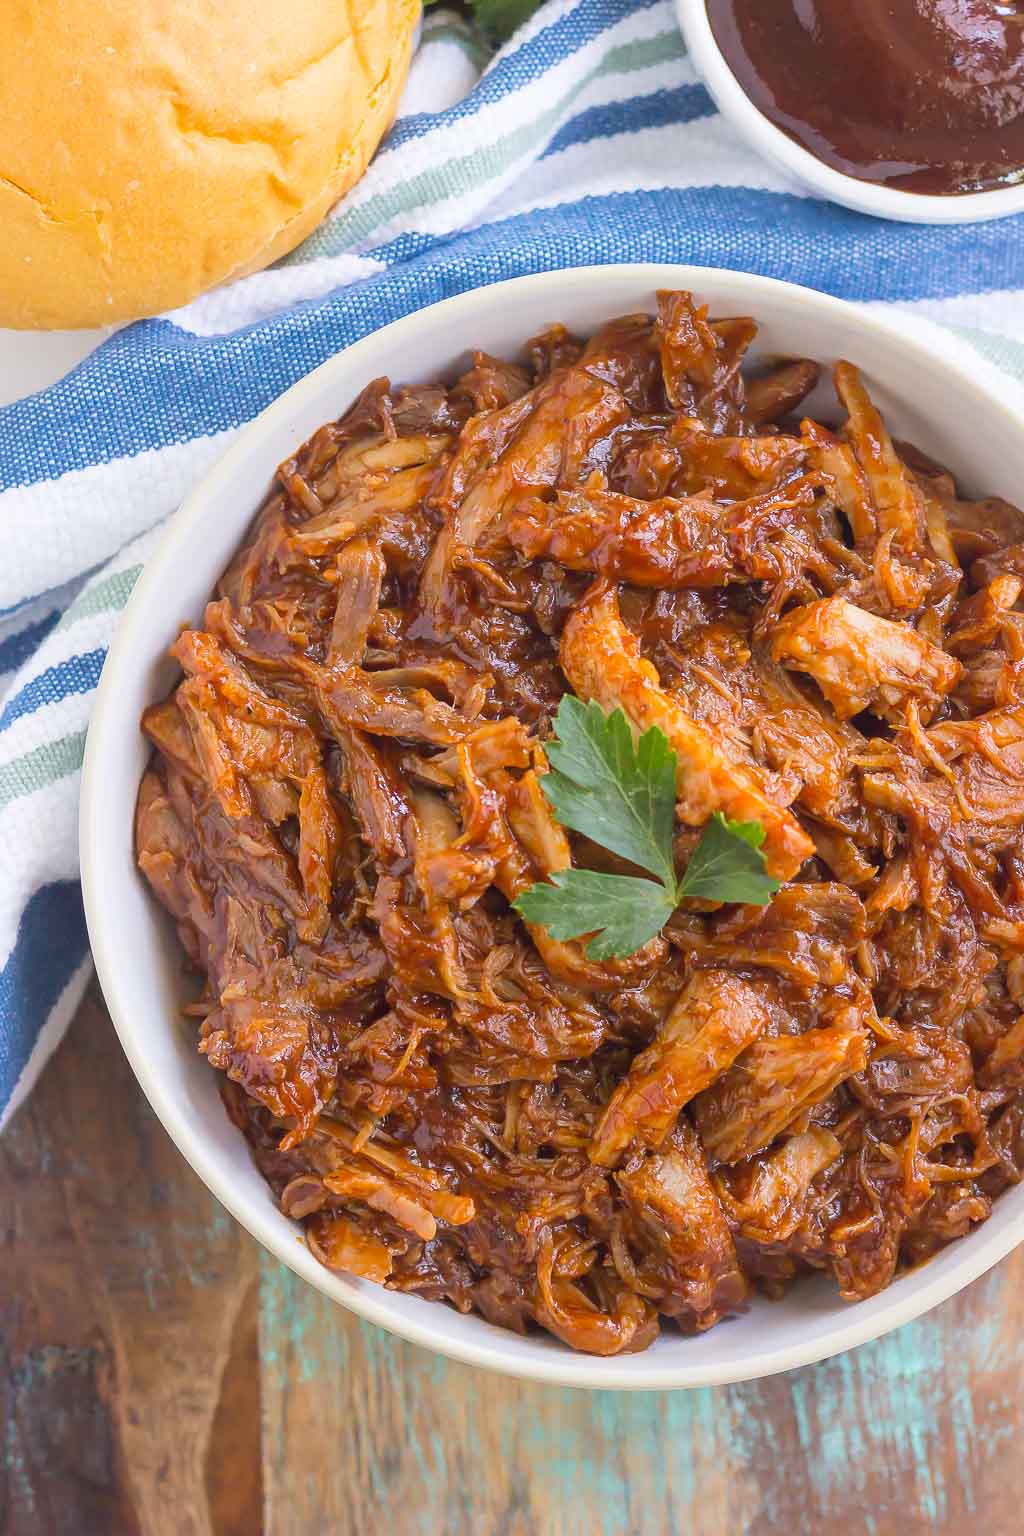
(924, 95)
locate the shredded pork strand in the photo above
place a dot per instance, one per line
(347, 793)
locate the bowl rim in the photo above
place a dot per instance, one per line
(879, 201)
(973, 1256)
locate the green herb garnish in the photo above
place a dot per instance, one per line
(623, 797)
(728, 865)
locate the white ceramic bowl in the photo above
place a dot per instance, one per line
(925, 399)
(865, 196)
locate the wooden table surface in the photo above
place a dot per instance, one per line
(162, 1376)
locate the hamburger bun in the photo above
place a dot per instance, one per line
(152, 148)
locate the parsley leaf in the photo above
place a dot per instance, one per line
(623, 796)
(728, 865)
(623, 911)
(620, 796)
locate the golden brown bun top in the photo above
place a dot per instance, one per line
(152, 148)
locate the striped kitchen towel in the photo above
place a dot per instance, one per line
(586, 139)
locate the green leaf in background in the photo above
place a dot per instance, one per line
(497, 19)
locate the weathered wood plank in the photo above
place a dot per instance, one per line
(128, 1319)
(913, 1434)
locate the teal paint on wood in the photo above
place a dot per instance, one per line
(893, 1439)
(288, 1325)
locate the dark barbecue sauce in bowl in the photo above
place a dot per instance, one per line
(922, 95)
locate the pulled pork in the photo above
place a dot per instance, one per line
(346, 795)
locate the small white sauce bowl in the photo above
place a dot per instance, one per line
(927, 398)
(865, 196)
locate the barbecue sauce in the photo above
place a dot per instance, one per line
(924, 95)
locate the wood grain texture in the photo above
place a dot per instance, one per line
(129, 1299)
(913, 1434)
(160, 1378)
